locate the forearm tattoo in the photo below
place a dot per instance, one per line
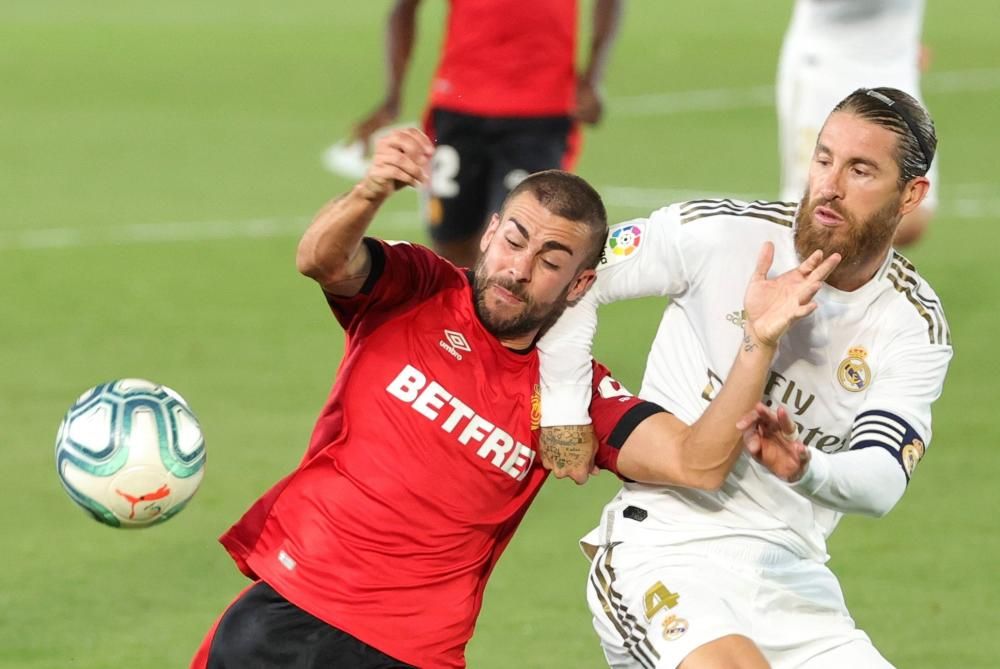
(566, 446)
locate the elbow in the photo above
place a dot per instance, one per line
(880, 510)
(709, 481)
(310, 264)
(306, 262)
(714, 483)
(701, 472)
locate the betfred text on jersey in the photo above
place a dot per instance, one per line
(432, 401)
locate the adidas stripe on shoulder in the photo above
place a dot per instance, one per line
(780, 213)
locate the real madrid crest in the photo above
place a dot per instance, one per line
(853, 372)
(674, 628)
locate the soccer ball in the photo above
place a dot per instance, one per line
(130, 452)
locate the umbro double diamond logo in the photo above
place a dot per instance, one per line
(454, 342)
(457, 340)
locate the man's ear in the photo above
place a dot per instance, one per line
(914, 193)
(583, 281)
(491, 230)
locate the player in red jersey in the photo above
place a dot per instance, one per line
(376, 550)
(503, 103)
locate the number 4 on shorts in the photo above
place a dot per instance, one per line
(657, 597)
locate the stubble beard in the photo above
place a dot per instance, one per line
(534, 317)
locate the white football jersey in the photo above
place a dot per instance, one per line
(863, 30)
(860, 372)
(831, 48)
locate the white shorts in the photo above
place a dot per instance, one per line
(810, 84)
(652, 606)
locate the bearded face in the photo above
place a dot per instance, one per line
(856, 239)
(506, 308)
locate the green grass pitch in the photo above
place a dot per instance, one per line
(157, 162)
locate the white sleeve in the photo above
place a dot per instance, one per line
(565, 369)
(866, 481)
(895, 416)
(641, 258)
(890, 433)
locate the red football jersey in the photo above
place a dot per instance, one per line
(508, 58)
(420, 467)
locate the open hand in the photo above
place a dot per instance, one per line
(772, 439)
(772, 305)
(401, 158)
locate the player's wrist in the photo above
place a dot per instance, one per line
(814, 474)
(754, 343)
(372, 191)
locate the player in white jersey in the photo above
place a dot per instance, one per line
(832, 47)
(728, 578)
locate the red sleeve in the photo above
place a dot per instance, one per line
(615, 413)
(402, 274)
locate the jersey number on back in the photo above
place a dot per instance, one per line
(444, 169)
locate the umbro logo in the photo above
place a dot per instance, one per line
(454, 342)
(737, 318)
(457, 340)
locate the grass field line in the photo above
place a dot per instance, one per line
(747, 97)
(966, 201)
(165, 232)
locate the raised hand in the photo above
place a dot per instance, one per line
(401, 158)
(772, 305)
(772, 439)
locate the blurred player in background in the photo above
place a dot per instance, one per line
(375, 552)
(504, 102)
(703, 579)
(831, 48)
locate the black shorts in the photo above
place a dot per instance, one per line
(479, 159)
(264, 630)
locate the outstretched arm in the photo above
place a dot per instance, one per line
(331, 251)
(663, 449)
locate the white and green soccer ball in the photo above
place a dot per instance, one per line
(130, 452)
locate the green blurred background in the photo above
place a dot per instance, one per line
(157, 163)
